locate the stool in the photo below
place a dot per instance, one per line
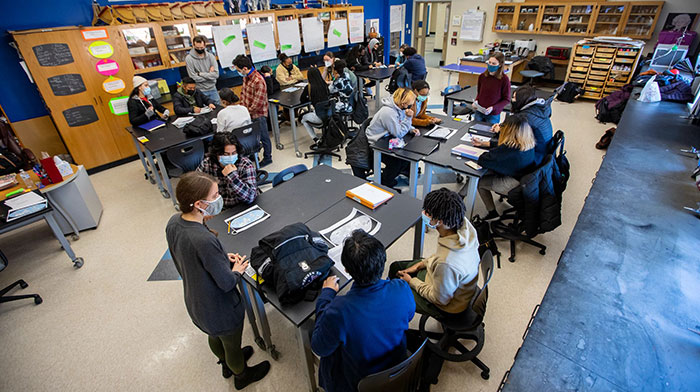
(532, 74)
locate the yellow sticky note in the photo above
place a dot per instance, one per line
(142, 139)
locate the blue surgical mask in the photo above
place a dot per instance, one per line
(492, 68)
(239, 73)
(426, 221)
(228, 159)
(214, 207)
(147, 91)
(422, 98)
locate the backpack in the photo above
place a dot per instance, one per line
(361, 111)
(400, 78)
(200, 126)
(610, 108)
(486, 238)
(568, 92)
(562, 167)
(333, 133)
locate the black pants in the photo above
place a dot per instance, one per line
(392, 168)
(265, 136)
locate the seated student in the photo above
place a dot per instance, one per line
(393, 119)
(512, 158)
(342, 88)
(317, 93)
(188, 99)
(235, 174)
(492, 90)
(414, 64)
(288, 73)
(328, 60)
(372, 57)
(272, 84)
(354, 59)
(538, 112)
(401, 57)
(445, 282)
(233, 115)
(422, 90)
(363, 331)
(141, 106)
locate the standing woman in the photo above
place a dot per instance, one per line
(328, 60)
(211, 296)
(317, 94)
(492, 91)
(141, 107)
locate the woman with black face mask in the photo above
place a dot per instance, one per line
(288, 73)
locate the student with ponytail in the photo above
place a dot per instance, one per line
(492, 90)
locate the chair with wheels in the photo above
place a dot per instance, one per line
(468, 325)
(186, 158)
(405, 376)
(288, 173)
(21, 283)
(249, 138)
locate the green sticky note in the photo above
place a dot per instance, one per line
(228, 39)
(336, 32)
(259, 44)
(285, 47)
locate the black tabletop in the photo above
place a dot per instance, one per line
(376, 73)
(289, 100)
(170, 136)
(443, 156)
(468, 95)
(4, 209)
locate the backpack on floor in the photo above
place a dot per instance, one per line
(399, 79)
(610, 108)
(485, 236)
(568, 92)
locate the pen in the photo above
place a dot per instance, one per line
(229, 227)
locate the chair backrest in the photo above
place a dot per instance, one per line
(288, 173)
(3, 261)
(249, 137)
(187, 157)
(478, 303)
(556, 143)
(402, 377)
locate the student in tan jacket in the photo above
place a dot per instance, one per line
(422, 90)
(288, 73)
(446, 281)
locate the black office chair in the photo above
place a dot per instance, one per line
(21, 283)
(404, 377)
(288, 173)
(185, 158)
(249, 137)
(358, 153)
(468, 325)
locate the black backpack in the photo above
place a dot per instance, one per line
(361, 111)
(200, 126)
(486, 239)
(399, 79)
(568, 92)
(562, 167)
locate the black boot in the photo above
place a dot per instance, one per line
(251, 375)
(226, 371)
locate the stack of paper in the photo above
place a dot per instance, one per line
(369, 195)
(25, 204)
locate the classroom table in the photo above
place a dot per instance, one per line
(317, 198)
(159, 141)
(46, 214)
(468, 95)
(511, 67)
(291, 101)
(377, 75)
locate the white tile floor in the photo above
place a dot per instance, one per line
(104, 327)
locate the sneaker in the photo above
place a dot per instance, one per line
(265, 162)
(491, 215)
(251, 375)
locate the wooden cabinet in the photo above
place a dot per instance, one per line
(527, 18)
(608, 18)
(177, 36)
(641, 19)
(143, 47)
(578, 19)
(552, 18)
(504, 21)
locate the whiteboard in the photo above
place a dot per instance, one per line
(356, 20)
(261, 40)
(472, 26)
(338, 33)
(290, 40)
(312, 32)
(229, 43)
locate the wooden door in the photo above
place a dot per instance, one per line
(579, 17)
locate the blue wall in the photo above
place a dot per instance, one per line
(21, 99)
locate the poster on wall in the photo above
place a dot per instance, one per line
(113, 85)
(107, 67)
(312, 32)
(228, 41)
(395, 16)
(101, 49)
(118, 105)
(679, 21)
(261, 41)
(290, 40)
(355, 21)
(89, 35)
(472, 26)
(338, 33)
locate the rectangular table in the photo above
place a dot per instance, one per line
(512, 68)
(291, 101)
(377, 75)
(468, 95)
(318, 199)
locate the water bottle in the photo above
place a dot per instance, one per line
(27, 180)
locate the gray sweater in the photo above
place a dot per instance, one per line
(389, 119)
(211, 296)
(198, 69)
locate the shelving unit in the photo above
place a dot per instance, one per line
(528, 18)
(178, 41)
(505, 17)
(143, 47)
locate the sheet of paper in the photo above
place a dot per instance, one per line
(261, 41)
(290, 40)
(441, 132)
(302, 84)
(312, 32)
(290, 89)
(395, 13)
(338, 33)
(229, 43)
(468, 137)
(371, 193)
(356, 21)
(25, 200)
(182, 121)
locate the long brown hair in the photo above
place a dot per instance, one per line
(501, 60)
(516, 133)
(192, 187)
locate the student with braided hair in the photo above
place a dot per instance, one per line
(446, 281)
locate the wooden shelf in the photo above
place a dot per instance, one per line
(150, 69)
(144, 55)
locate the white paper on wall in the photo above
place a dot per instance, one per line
(395, 18)
(356, 20)
(261, 41)
(290, 40)
(472, 26)
(312, 32)
(338, 33)
(229, 43)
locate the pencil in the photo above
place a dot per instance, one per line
(229, 227)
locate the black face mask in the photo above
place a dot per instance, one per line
(200, 51)
(189, 92)
(289, 67)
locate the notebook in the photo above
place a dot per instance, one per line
(438, 132)
(152, 125)
(468, 151)
(422, 145)
(369, 195)
(481, 129)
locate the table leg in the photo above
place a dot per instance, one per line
(166, 179)
(377, 167)
(413, 178)
(378, 96)
(449, 78)
(251, 314)
(450, 107)
(427, 179)
(77, 261)
(418, 237)
(304, 340)
(147, 173)
(264, 324)
(274, 121)
(293, 120)
(149, 156)
(470, 198)
(64, 214)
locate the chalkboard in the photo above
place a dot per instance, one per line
(67, 84)
(80, 115)
(52, 55)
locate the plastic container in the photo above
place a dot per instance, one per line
(26, 179)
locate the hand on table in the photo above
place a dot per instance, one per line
(239, 262)
(495, 128)
(212, 106)
(331, 282)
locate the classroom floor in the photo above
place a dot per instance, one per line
(105, 327)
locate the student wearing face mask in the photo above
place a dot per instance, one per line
(211, 277)
(233, 115)
(287, 73)
(188, 99)
(328, 60)
(141, 106)
(493, 90)
(235, 174)
(422, 90)
(202, 67)
(445, 282)
(414, 64)
(401, 58)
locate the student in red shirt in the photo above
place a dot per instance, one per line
(493, 90)
(254, 97)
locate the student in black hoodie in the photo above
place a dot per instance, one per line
(188, 99)
(512, 158)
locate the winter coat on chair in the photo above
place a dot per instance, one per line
(535, 200)
(538, 113)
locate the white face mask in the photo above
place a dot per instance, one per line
(328, 63)
(214, 207)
